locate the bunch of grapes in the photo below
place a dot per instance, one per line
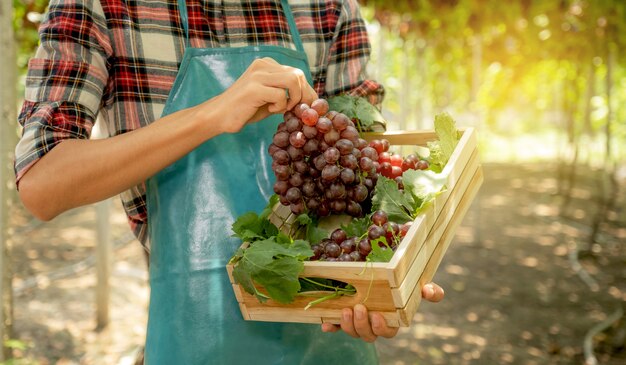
(340, 247)
(393, 165)
(321, 164)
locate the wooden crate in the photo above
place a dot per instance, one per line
(392, 288)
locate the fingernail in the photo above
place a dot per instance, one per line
(346, 315)
(376, 321)
(430, 291)
(360, 312)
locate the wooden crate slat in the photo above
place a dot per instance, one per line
(311, 315)
(348, 272)
(405, 138)
(411, 275)
(374, 294)
(436, 257)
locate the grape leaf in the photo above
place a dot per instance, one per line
(250, 227)
(423, 186)
(357, 226)
(274, 266)
(389, 198)
(379, 254)
(448, 137)
(365, 115)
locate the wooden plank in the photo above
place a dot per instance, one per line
(311, 315)
(409, 279)
(374, 294)
(404, 138)
(406, 314)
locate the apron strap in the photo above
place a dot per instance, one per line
(295, 34)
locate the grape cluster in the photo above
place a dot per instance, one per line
(393, 165)
(321, 164)
(340, 247)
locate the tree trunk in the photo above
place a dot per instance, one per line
(8, 84)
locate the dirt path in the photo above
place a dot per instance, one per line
(511, 294)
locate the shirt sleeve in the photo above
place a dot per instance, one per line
(348, 57)
(66, 79)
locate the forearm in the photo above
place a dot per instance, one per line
(80, 172)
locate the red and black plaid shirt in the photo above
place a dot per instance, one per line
(118, 59)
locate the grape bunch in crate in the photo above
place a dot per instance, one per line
(345, 196)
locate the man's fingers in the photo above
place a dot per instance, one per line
(347, 322)
(362, 324)
(432, 292)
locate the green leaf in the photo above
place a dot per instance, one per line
(357, 226)
(248, 227)
(423, 186)
(448, 137)
(389, 198)
(275, 266)
(315, 234)
(365, 115)
(379, 254)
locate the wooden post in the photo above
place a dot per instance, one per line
(7, 144)
(104, 252)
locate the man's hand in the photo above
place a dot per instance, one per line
(358, 324)
(265, 88)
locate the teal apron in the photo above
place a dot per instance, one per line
(194, 318)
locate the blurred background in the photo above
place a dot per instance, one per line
(537, 271)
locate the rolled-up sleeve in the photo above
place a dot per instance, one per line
(348, 57)
(66, 80)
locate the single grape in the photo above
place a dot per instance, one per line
(356, 153)
(323, 210)
(379, 218)
(396, 171)
(297, 139)
(360, 193)
(324, 125)
(282, 172)
(332, 249)
(338, 235)
(345, 146)
(323, 146)
(295, 153)
(331, 114)
(282, 126)
(377, 145)
(281, 157)
(350, 133)
(297, 208)
(370, 153)
(308, 188)
(310, 117)
(396, 160)
(408, 164)
(348, 245)
(313, 204)
(354, 209)
(412, 157)
(317, 252)
(361, 143)
(422, 165)
(356, 256)
(288, 115)
(299, 109)
(392, 230)
(309, 131)
(340, 122)
(349, 162)
(293, 125)
(321, 106)
(384, 157)
(331, 155)
(331, 137)
(280, 187)
(364, 247)
(385, 145)
(314, 173)
(345, 257)
(293, 195)
(404, 228)
(375, 232)
(301, 167)
(296, 179)
(271, 150)
(347, 176)
(281, 139)
(385, 169)
(330, 172)
(283, 200)
(319, 162)
(366, 163)
(337, 190)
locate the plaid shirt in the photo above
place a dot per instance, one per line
(118, 59)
